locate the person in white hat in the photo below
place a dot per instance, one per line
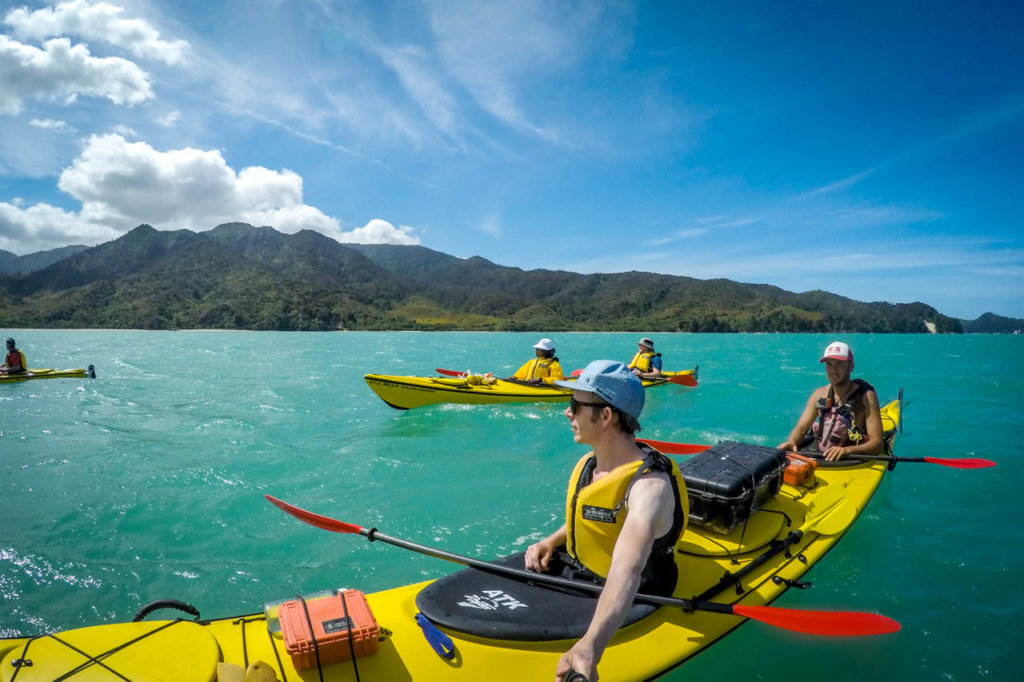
(543, 368)
(841, 417)
(646, 364)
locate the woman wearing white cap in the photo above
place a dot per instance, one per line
(844, 413)
(544, 368)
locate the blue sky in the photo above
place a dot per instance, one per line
(871, 149)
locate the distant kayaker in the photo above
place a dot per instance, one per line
(646, 364)
(843, 417)
(543, 368)
(626, 508)
(14, 361)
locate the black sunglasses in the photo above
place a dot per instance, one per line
(574, 404)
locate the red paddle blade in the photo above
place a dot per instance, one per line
(448, 372)
(576, 372)
(962, 462)
(834, 623)
(325, 522)
(668, 448)
(683, 380)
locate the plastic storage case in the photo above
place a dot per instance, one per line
(730, 481)
(799, 470)
(330, 628)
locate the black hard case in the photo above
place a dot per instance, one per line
(730, 481)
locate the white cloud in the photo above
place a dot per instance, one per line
(677, 236)
(491, 225)
(170, 120)
(121, 184)
(51, 124)
(379, 231)
(496, 50)
(96, 21)
(418, 75)
(60, 70)
(43, 227)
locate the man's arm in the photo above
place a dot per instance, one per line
(539, 554)
(649, 516)
(806, 419)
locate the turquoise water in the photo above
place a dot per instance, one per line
(147, 481)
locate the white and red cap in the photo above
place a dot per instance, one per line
(837, 350)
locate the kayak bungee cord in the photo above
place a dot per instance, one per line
(828, 623)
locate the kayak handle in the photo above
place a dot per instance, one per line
(441, 643)
(576, 677)
(166, 604)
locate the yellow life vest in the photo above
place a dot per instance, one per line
(642, 361)
(546, 369)
(594, 513)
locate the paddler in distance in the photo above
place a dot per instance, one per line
(626, 507)
(646, 364)
(14, 361)
(843, 417)
(543, 368)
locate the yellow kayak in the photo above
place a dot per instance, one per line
(407, 392)
(740, 571)
(49, 374)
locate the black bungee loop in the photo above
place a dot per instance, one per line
(166, 604)
(312, 636)
(348, 621)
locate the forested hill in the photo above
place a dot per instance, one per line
(241, 277)
(11, 264)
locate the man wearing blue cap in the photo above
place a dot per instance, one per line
(626, 507)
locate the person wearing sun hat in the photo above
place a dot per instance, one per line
(543, 368)
(646, 364)
(626, 508)
(842, 417)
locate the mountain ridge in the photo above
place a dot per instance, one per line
(237, 276)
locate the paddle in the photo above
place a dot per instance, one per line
(683, 380)
(951, 462)
(667, 448)
(834, 623)
(449, 372)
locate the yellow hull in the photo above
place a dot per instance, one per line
(184, 651)
(47, 374)
(407, 392)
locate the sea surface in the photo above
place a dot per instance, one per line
(147, 482)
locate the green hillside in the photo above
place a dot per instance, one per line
(237, 276)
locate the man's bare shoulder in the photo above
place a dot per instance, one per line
(820, 392)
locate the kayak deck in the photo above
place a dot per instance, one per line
(407, 392)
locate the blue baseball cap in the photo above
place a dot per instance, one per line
(611, 381)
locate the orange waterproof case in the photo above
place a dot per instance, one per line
(328, 626)
(800, 470)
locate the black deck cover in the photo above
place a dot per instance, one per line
(492, 606)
